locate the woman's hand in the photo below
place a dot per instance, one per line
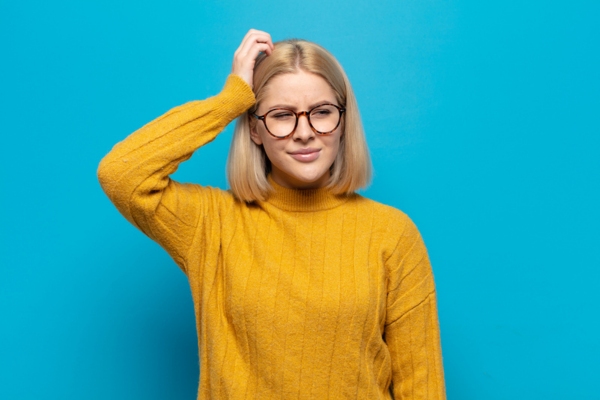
(245, 56)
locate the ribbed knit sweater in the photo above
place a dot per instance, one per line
(307, 295)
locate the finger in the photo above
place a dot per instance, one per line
(252, 50)
(249, 49)
(247, 60)
(243, 65)
(264, 37)
(256, 32)
(249, 38)
(252, 37)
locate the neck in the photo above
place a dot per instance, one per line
(313, 199)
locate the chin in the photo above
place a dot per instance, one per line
(301, 178)
(312, 179)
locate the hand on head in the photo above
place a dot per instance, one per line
(244, 58)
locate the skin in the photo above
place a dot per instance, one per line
(303, 160)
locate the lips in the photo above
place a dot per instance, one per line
(305, 155)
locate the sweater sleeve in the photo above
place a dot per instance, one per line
(412, 330)
(135, 174)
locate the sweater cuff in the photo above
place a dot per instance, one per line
(235, 98)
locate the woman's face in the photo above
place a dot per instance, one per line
(302, 160)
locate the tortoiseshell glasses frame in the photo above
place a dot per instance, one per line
(263, 118)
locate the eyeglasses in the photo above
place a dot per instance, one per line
(282, 122)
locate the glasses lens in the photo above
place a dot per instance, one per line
(325, 118)
(280, 122)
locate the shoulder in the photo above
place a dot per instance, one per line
(392, 218)
(396, 231)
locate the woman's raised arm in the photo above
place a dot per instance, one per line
(135, 174)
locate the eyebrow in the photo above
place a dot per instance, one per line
(294, 108)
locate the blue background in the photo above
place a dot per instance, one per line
(483, 122)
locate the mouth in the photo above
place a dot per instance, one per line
(305, 155)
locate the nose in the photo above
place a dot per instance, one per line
(303, 130)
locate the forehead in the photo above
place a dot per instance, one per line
(300, 89)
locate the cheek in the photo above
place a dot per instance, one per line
(335, 145)
(273, 149)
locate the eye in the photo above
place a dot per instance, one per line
(322, 112)
(281, 114)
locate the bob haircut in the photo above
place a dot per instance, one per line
(248, 165)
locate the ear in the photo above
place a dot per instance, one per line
(254, 135)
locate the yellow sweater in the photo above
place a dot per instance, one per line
(307, 295)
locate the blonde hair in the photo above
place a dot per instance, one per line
(248, 165)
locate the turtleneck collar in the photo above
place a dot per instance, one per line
(303, 199)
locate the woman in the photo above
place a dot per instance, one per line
(301, 288)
